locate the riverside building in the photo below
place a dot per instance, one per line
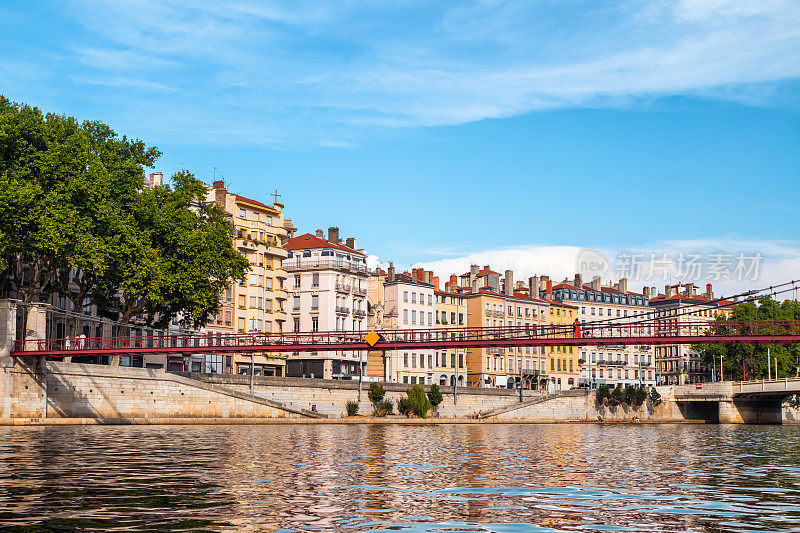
(259, 304)
(678, 364)
(613, 365)
(328, 292)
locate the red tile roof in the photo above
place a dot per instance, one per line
(517, 295)
(481, 273)
(308, 241)
(240, 198)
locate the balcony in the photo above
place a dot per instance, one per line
(341, 287)
(359, 291)
(281, 273)
(281, 294)
(291, 265)
(359, 313)
(342, 310)
(498, 313)
(614, 363)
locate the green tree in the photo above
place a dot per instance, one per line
(376, 393)
(418, 400)
(602, 395)
(749, 361)
(435, 395)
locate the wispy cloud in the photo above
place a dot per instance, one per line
(306, 71)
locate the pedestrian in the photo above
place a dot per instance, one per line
(576, 329)
(82, 342)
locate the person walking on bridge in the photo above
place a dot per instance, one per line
(576, 329)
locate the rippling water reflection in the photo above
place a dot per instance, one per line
(502, 478)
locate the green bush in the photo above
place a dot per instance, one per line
(404, 405)
(641, 396)
(617, 397)
(376, 393)
(420, 405)
(603, 394)
(352, 408)
(384, 408)
(435, 395)
(655, 397)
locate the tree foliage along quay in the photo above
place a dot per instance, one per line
(76, 218)
(749, 361)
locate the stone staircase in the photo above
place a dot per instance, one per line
(532, 401)
(235, 393)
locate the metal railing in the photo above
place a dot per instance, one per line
(435, 337)
(292, 265)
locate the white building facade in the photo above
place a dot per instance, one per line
(328, 292)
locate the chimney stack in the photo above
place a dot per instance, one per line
(646, 292)
(549, 290)
(667, 291)
(156, 179)
(709, 292)
(623, 284)
(446, 286)
(333, 235)
(391, 271)
(219, 184)
(578, 281)
(687, 290)
(319, 233)
(428, 276)
(508, 283)
(453, 281)
(533, 287)
(473, 273)
(351, 242)
(596, 283)
(435, 282)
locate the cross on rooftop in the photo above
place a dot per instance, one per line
(276, 195)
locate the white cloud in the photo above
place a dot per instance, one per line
(779, 262)
(302, 70)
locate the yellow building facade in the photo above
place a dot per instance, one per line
(562, 361)
(451, 364)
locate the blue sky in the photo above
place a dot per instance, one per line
(443, 132)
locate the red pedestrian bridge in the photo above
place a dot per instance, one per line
(658, 332)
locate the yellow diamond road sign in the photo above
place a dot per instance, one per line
(372, 338)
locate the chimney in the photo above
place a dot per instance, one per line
(351, 242)
(319, 233)
(667, 291)
(578, 282)
(623, 284)
(473, 273)
(533, 287)
(391, 271)
(549, 290)
(333, 235)
(687, 290)
(435, 282)
(428, 276)
(156, 179)
(596, 283)
(508, 283)
(453, 281)
(709, 292)
(446, 285)
(653, 292)
(646, 292)
(486, 267)
(219, 184)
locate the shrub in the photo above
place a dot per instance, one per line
(384, 408)
(435, 395)
(617, 397)
(404, 405)
(602, 394)
(376, 394)
(641, 396)
(420, 404)
(655, 397)
(352, 408)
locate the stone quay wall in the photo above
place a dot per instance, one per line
(57, 392)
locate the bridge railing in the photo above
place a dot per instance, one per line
(638, 330)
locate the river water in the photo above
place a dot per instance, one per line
(503, 478)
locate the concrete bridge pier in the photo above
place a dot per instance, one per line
(751, 411)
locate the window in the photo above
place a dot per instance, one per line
(405, 316)
(413, 315)
(413, 360)
(297, 281)
(268, 305)
(242, 213)
(552, 365)
(296, 323)
(413, 297)
(268, 283)
(430, 318)
(315, 301)
(242, 301)
(405, 360)
(430, 299)
(314, 323)
(241, 325)
(405, 296)
(296, 302)
(315, 279)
